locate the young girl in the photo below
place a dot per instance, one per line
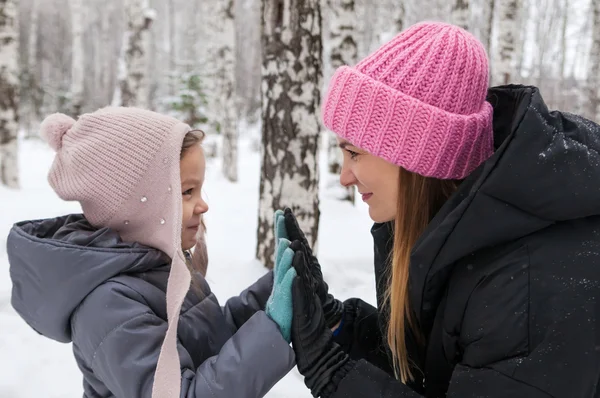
(115, 279)
(486, 236)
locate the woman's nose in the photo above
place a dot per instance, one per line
(347, 177)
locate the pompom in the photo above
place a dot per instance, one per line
(54, 127)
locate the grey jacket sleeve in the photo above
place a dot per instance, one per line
(239, 309)
(124, 358)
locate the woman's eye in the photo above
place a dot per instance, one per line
(353, 154)
(189, 191)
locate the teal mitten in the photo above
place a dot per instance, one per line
(279, 227)
(279, 304)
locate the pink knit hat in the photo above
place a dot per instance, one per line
(418, 102)
(122, 165)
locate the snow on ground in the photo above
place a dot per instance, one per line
(34, 366)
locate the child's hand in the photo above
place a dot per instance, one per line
(279, 304)
(279, 227)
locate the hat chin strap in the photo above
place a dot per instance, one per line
(167, 379)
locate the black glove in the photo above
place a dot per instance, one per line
(332, 308)
(320, 360)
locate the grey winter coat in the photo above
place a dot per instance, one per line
(72, 282)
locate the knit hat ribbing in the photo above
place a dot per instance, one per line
(417, 102)
(122, 165)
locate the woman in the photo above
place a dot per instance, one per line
(486, 235)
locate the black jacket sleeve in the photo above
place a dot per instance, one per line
(361, 335)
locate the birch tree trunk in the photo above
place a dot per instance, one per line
(459, 14)
(247, 47)
(225, 87)
(77, 57)
(32, 100)
(134, 84)
(9, 100)
(561, 88)
(172, 53)
(399, 16)
(192, 13)
(344, 51)
(550, 25)
(523, 14)
(107, 77)
(415, 12)
(488, 20)
(219, 80)
(593, 77)
(291, 81)
(391, 16)
(368, 29)
(505, 53)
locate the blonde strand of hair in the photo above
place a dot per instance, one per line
(419, 198)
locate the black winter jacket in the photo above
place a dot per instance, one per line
(505, 281)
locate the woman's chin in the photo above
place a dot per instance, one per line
(379, 216)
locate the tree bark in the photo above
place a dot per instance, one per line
(399, 15)
(344, 51)
(505, 53)
(134, 84)
(291, 81)
(593, 77)
(460, 13)
(391, 16)
(247, 47)
(9, 100)
(225, 88)
(29, 104)
(77, 58)
(561, 90)
(172, 52)
(107, 80)
(489, 24)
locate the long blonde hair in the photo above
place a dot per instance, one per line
(419, 199)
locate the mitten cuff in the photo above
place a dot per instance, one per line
(338, 376)
(344, 336)
(333, 310)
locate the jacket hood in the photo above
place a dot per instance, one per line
(56, 263)
(545, 169)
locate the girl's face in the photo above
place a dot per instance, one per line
(375, 179)
(192, 167)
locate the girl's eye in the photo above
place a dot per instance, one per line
(188, 192)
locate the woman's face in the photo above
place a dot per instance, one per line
(375, 179)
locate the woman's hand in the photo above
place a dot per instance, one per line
(333, 309)
(319, 359)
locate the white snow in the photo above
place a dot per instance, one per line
(34, 366)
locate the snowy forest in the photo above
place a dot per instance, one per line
(225, 66)
(251, 74)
